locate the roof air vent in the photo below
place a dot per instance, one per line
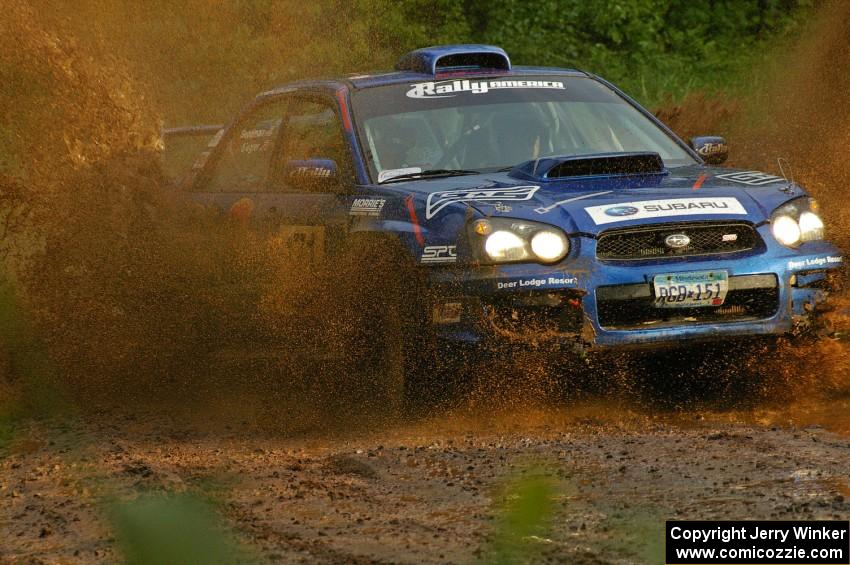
(447, 58)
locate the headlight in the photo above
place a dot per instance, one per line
(811, 226)
(786, 230)
(549, 245)
(502, 240)
(797, 222)
(503, 245)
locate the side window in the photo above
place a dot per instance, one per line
(313, 132)
(245, 160)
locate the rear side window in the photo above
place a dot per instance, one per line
(245, 160)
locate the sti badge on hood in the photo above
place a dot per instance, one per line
(611, 213)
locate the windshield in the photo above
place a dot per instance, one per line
(491, 124)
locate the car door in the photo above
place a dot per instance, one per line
(286, 168)
(312, 177)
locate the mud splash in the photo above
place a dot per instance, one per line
(795, 109)
(798, 112)
(193, 349)
(136, 294)
(117, 290)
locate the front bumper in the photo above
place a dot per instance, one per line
(606, 304)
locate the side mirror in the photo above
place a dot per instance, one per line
(311, 175)
(711, 148)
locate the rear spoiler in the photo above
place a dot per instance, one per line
(185, 147)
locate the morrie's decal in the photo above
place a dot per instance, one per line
(610, 213)
(439, 200)
(367, 206)
(815, 262)
(537, 282)
(752, 178)
(449, 88)
(439, 254)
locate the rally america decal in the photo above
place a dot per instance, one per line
(367, 206)
(610, 213)
(439, 254)
(449, 88)
(439, 200)
(752, 178)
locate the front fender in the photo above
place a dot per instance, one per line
(429, 241)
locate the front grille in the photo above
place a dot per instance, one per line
(648, 242)
(750, 297)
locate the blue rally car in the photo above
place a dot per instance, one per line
(525, 203)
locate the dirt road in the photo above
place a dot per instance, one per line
(429, 491)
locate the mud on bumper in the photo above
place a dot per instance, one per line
(605, 316)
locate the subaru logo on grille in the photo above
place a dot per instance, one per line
(621, 211)
(677, 241)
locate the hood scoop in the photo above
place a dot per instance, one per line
(601, 164)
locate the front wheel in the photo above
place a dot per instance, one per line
(386, 345)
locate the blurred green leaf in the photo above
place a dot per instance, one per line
(524, 521)
(172, 529)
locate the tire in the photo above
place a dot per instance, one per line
(387, 349)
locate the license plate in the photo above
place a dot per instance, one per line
(691, 290)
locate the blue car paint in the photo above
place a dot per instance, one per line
(589, 273)
(562, 202)
(425, 60)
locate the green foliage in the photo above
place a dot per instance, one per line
(200, 60)
(524, 520)
(652, 48)
(166, 529)
(23, 361)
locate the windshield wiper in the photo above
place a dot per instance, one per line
(432, 173)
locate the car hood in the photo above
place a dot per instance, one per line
(594, 204)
